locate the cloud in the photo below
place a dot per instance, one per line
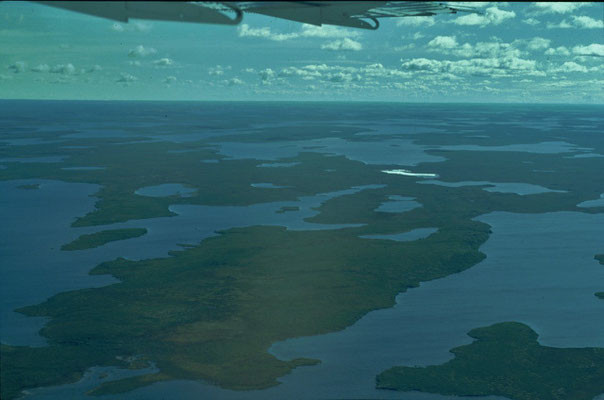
(18, 66)
(557, 7)
(132, 26)
(443, 42)
(244, 30)
(141, 51)
(492, 15)
(581, 22)
(304, 73)
(65, 69)
(593, 49)
(95, 68)
(218, 70)
(41, 68)
(345, 44)
(235, 82)
(164, 62)
(531, 21)
(570, 66)
(415, 21)
(306, 31)
(117, 27)
(267, 74)
(126, 78)
(558, 51)
(538, 43)
(489, 66)
(170, 79)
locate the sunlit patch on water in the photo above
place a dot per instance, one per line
(266, 185)
(48, 159)
(83, 168)
(277, 165)
(593, 203)
(406, 172)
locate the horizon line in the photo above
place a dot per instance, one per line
(305, 101)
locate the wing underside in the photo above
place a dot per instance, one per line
(356, 14)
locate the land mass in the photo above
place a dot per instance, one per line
(600, 257)
(211, 312)
(100, 238)
(32, 186)
(506, 360)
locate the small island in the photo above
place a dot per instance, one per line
(288, 208)
(103, 237)
(32, 186)
(600, 257)
(506, 360)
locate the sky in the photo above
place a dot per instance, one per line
(510, 53)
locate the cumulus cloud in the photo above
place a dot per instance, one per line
(95, 68)
(65, 69)
(492, 15)
(531, 21)
(475, 66)
(235, 82)
(556, 7)
(18, 66)
(308, 31)
(170, 79)
(126, 78)
(582, 21)
(443, 42)
(327, 32)
(578, 21)
(141, 51)
(117, 27)
(244, 30)
(218, 70)
(131, 27)
(345, 44)
(538, 43)
(164, 62)
(267, 74)
(41, 68)
(558, 51)
(570, 66)
(593, 49)
(415, 21)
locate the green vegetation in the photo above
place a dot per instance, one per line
(100, 238)
(212, 311)
(32, 186)
(506, 360)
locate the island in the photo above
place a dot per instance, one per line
(103, 237)
(506, 360)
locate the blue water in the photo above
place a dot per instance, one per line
(528, 255)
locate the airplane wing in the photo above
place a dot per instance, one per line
(355, 14)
